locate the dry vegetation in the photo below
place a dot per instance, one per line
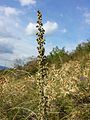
(68, 91)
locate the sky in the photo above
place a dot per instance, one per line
(66, 24)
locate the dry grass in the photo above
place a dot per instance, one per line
(68, 91)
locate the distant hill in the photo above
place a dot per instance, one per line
(3, 67)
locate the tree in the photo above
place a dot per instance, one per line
(58, 57)
(18, 63)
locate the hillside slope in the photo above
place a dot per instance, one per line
(68, 87)
(68, 91)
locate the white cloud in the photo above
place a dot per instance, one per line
(49, 27)
(85, 13)
(78, 8)
(13, 41)
(61, 15)
(8, 11)
(9, 26)
(27, 2)
(64, 30)
(31, 29)
(6, 48)
(11, 49)
(87, 17)
(16, 24)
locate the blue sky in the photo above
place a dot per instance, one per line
(66, 22)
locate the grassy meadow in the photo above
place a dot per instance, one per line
(68, 87)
